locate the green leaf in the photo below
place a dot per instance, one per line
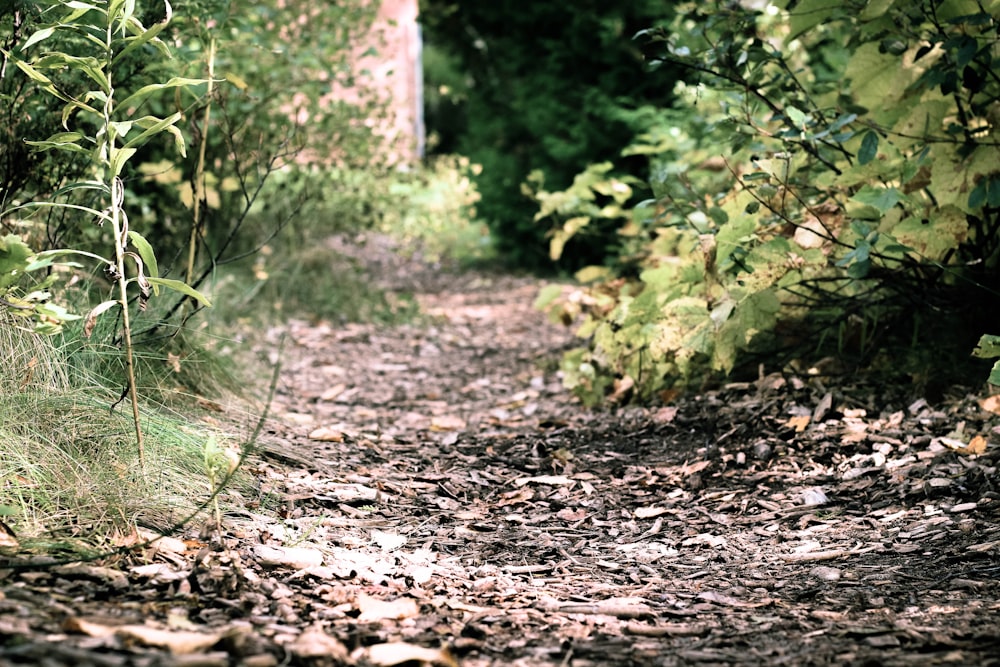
(183, 288)
(882, 199)
(153, 126)
(978, 195)
(37, 37)
(561, 236)
(994, 377)
(145, 251)
(869, 147)
(860, 269)
(36, 76)
(119, 157)
(993, 192)
(90, 66)
(547, 295)
(143, 37)
(797, 117)
(810, 13)
(79, 9)
(935, 236)
(66, 141)
(121, 128)
(988, 347)
(843, 120)
(146, 91)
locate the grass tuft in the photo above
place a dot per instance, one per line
(69, 467)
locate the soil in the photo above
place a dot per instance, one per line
(428, 493)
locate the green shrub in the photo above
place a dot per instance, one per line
(825, 185)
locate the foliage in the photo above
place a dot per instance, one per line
(425, 210)
(547, 89)
(68, 472)
(989, 348)
(285, 88)
(433, 211)
(102, 119)
(17, 261)
(826, 184)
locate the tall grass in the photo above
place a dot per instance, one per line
(68, 466)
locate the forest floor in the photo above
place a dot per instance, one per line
(429, 494)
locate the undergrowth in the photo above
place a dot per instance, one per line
(69, 473)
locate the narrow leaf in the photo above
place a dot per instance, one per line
(119, 157)
(142, 36)
(183, 288)
(145, 91)
(91, 321)
(145, 251)
(153, 127)
(40, 35)
(79, 9)
(237, 81)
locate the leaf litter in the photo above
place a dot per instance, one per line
(429, 495)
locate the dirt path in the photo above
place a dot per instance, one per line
(429, 493)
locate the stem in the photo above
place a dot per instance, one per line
(121, 235)
(199, 175)
(119, 225)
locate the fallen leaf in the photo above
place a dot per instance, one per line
(388, 541)
(160, 573)
(650, 512)
(522, 495)
(315, 643)
(296, 558)
(571, 515)
(665, 415)
(333, 392)
(447, 423)
(548, 480)
(177, 642)
(83, 626)
(798, 422)
(206, 404)
(991, 404)
(396, 653)
(373, 609)
(327, 434)
(976, 446)
(705, 538)
(113, 577)
(730, 601)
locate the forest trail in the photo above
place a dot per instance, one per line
(429, 493)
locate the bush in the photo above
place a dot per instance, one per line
(825, 186)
